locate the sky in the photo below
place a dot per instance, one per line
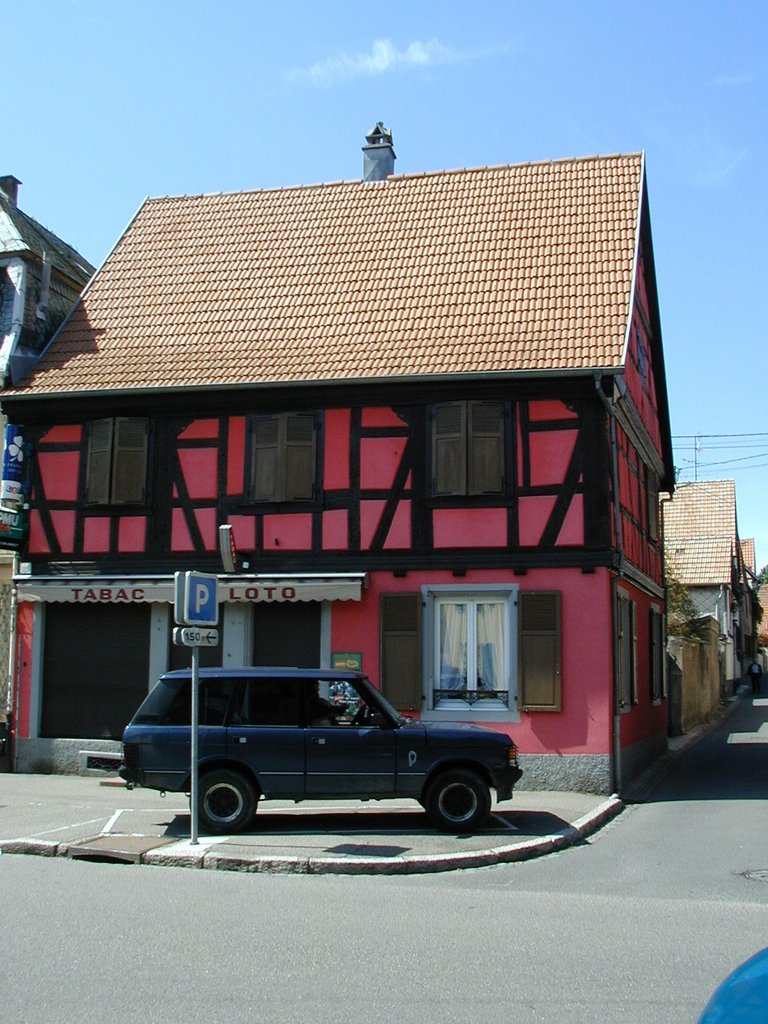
(110, 101)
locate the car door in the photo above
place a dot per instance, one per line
(265, 734)
(352, 753)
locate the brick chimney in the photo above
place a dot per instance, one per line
(378, 156)
(9, 186)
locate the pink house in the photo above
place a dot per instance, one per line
(433, 410)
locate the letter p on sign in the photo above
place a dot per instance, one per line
(199, 600)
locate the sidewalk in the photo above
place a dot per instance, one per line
(95, 819)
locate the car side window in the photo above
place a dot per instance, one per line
(267, 702)
(337, 703)
(215, 698)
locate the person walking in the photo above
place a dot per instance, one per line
(755, 673)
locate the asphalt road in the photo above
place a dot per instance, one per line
(638, 924)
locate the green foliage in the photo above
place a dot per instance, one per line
(683, 619)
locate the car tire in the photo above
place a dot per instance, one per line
(227, 801)
(458, 800)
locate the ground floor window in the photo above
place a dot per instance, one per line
(472, 636)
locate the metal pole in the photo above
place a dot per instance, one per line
(193, 796)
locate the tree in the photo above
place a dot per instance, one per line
(683, 619)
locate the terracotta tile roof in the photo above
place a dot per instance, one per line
(512, 268)
(700, 532)
(748, 554)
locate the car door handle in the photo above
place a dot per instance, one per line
(320, 740)
(240, 739)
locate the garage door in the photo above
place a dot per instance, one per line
(95, 668)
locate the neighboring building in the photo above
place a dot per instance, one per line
(703, 551)
(40, 280)
(432, 408)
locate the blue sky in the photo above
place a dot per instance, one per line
(108, 101)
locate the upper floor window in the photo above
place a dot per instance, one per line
(468, 448)
(117, 461)
(283, 457)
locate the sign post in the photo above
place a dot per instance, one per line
(196, 604)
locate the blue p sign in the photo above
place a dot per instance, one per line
(200, 604)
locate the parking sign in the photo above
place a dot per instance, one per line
(197, 602)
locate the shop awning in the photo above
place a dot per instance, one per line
(253, 588)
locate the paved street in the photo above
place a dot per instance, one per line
(638, 923)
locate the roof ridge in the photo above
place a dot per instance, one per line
(411, 175)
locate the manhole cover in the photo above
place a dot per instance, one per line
(758, 875)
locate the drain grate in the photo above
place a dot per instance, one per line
(756, 875)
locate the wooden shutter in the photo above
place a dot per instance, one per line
(625, 650)
(265, 459)
(449, 468)
(401, 655)
(129, 463)
(486, 448)
(99, 462)
(657, 653)
(539, 651)
(299, 457)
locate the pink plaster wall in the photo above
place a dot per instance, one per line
(469, 528)
(584, 724)
(288, 533)
(379, 460)
(200, 469)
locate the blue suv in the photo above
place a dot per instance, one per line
(310, 734)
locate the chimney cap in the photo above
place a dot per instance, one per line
(379, 135)
(9, 186)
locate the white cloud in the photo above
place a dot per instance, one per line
(733, 80)
(382, 57)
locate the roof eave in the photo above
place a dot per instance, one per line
(560, 373)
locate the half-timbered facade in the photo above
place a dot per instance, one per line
(432, 409)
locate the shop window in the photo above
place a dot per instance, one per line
(117, 461)
(283, 457)
(467, 448)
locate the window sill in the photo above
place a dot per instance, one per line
(479, 712)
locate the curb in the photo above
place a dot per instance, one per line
(212, 858)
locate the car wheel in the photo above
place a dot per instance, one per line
(458, 801)
(227, 801)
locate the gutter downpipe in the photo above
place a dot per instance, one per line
(616, 718)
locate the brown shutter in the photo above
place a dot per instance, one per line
(265, 449)
(401, 655)
(539, 651)
(129, 464)
(99, 462)
(299, 457)
(449, 469)
(486, 448)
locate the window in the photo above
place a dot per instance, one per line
(471, 639)
(468, 448)
(626, 661)
(117, 461)
(283, 457)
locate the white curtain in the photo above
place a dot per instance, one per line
(453, 647)
(490, 646)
